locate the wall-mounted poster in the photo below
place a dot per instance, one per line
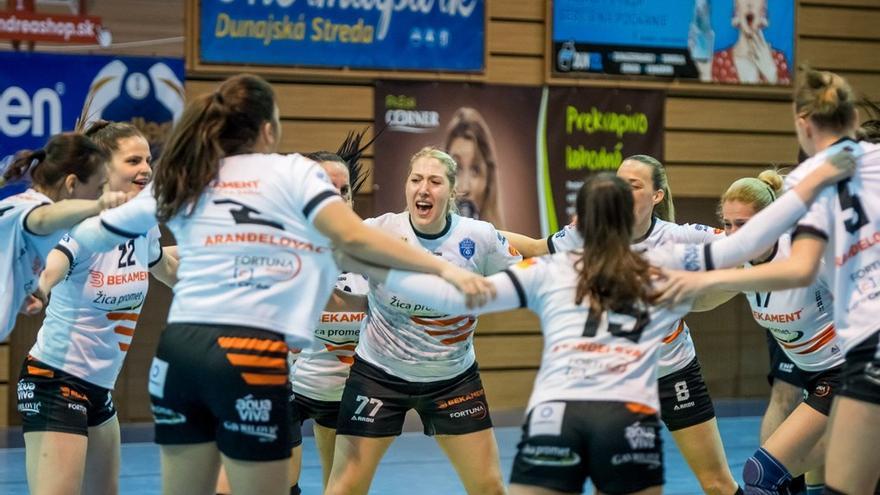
(590, 130)
(489, 130)
(35, 104)
(409, 34)
(721, 41)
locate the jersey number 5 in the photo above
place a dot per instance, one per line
(851, 203)
(628, 324)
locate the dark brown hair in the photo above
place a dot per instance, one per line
(610, 274)
(826, 99)
(107, 134)
(213, 126)
(64, 154)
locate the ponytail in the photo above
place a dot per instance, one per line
(212, 127)
(827, 99)
(610, 273)
(21, 165)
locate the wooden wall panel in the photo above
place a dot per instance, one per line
(531, 10)
(508, 351)
(709, 114)
(517, 38)
(836, 22)
(508, 389)
(707, 148)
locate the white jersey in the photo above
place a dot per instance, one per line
(320, 370)
(848, 216)
(24, 254)
(586, 356)
(248, 247)
(799, 319)
(91, 318)
(679, 349)
(409, 339)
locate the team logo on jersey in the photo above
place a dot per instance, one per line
(96, 278)
(467, 247)
(640, 437)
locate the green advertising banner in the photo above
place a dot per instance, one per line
(587, 130)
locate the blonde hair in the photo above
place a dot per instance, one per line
(826, 98)
(665, 209)
(450, 167)
(758, 192)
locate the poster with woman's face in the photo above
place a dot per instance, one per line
(721, 41)
(488, 130)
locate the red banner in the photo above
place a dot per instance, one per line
(53, 28)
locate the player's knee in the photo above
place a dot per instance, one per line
(763, 474)
(491, 483)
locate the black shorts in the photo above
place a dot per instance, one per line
(51, 400)
(375, 403)
(325, 413)
(224, 384)
(821, 387)
(616, 444)
(684, 398)
(781, 367)
(861, 371)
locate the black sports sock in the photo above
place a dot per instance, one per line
(294, 490)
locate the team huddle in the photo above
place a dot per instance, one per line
(288, 306)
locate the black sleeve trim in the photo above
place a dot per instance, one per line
(161, 255)
(806, 229)
(550, 247)
(520, 292)
(118, 231)
(707, 255)
(66, 252)
(24, 222)
(314, 202)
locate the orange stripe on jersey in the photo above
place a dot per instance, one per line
(820, 344)
(256, 361)
(33, 370)
(455, 340)
(672, 336)
(345, 347)
(252, 344)
(128, 332)
(263, 379)
(640, 408)
(123, 346)
(122, 316)
(346, 359)
(829, 330)
(434, 333)
(439, 322)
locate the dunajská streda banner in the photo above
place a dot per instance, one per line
(381, 34)
(590, 130)
(489, 130)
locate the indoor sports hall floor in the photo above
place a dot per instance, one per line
(413, 464)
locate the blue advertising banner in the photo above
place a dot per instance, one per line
(43, 94)
(727, 41)
(368, 34)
